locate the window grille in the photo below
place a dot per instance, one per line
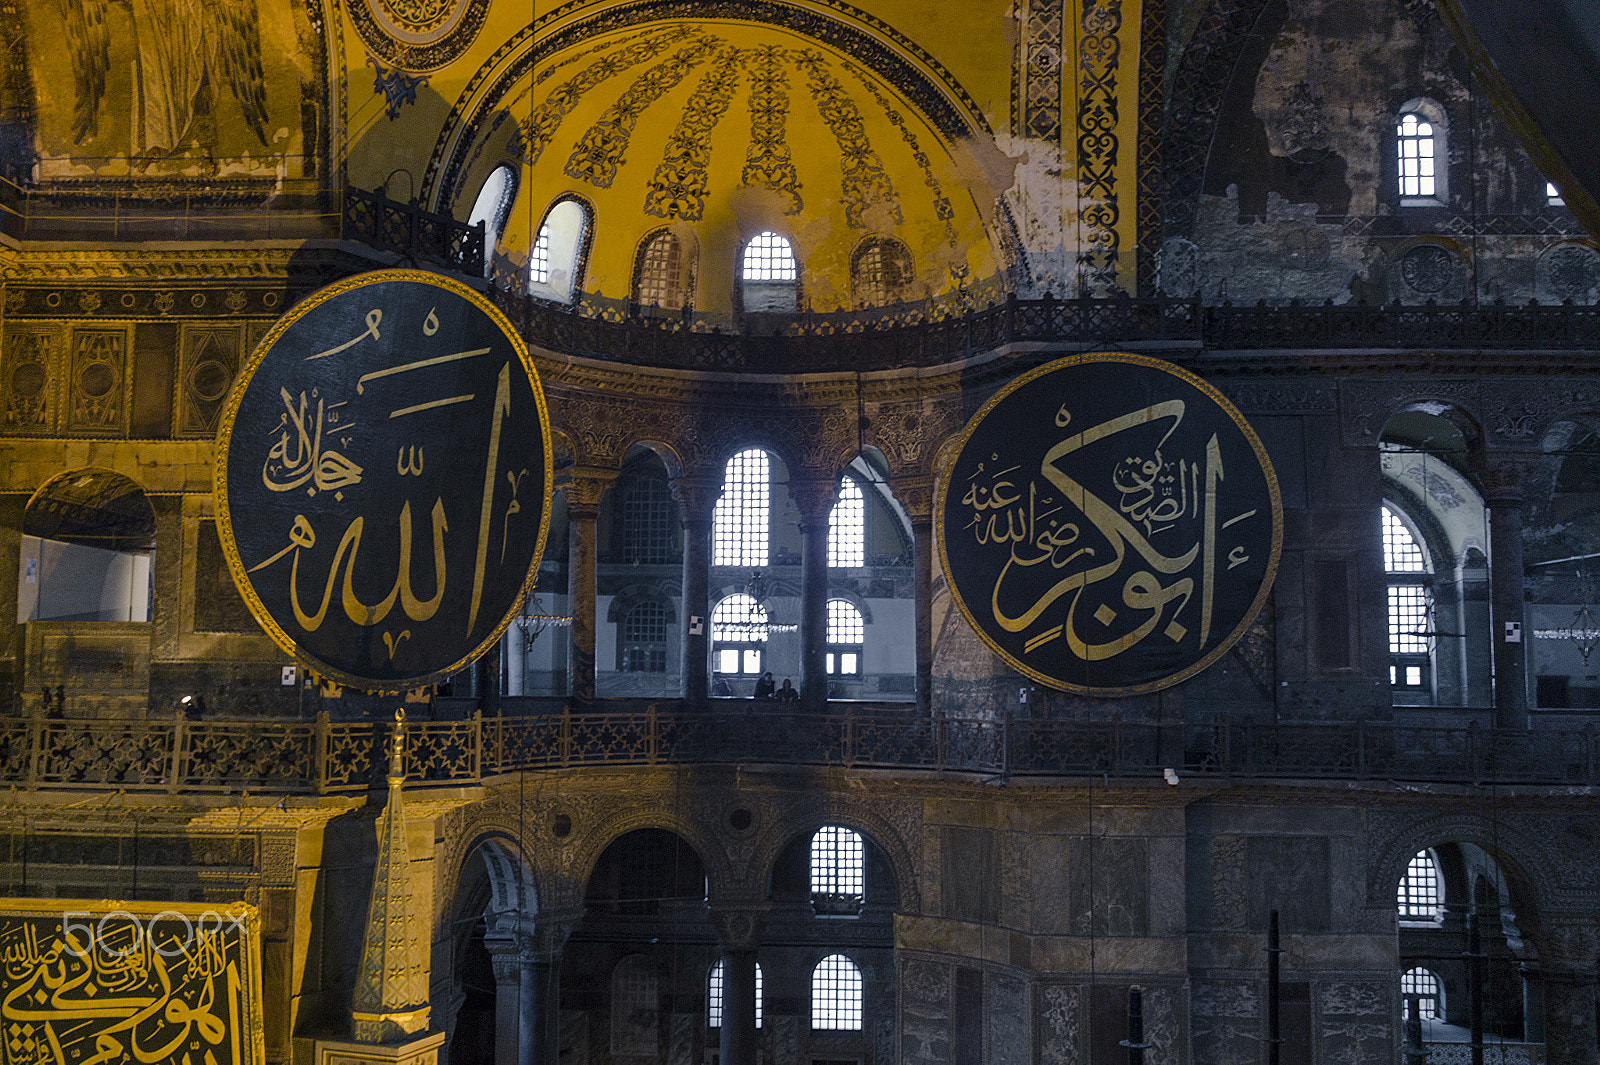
(644, 638)
(881, 272)
(838, 862)
(768, 257)
(847, 527)
(1401, 551)
(714, 996)
(661, 273)
(1427, 989)
(1416, 138)
(738, 635)
(739, 523)
(846, 635)
(1418, 897)
(836, 994)
(539, 261)
(647, 525)
(634, 1006)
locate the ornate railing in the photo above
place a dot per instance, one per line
(912, 336)
(391, 225)
(325, 756)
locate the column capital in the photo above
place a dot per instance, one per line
(739, 925)
(697, 496)
(1503, 483)
(586, 488)
(916, 495)
(814, 497)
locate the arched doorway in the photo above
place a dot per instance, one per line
(495, 916)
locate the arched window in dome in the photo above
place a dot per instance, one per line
(492, 208)
(739, 524)
(769, 277)
(663, 273)
(846, 634)
(1423, 987)
(1411, 628)
(1422, 154)
(836, 994)
(1419, 897)
(555, 265)
(847, 527)
(739, 636)
(881, 272)
(838, 868)
(714, 992)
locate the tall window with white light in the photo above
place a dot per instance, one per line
(769, 276)
(714, 986)
(738, 636)
(1418, 177)
(838, 871)
(739, 525)
(846, 635)
(847, 527)
(492, 207)
(556, 261)
(836, 994)
(1405, 560)
(1423, 987)
(1419, 898)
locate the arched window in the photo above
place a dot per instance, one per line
(1422, 172)
(838, 864)
(644, 638)
(1425, 988)
(739, 523)
(492, 208)
(714, 996)
(1405, 560)
(847, 527)
(836, 994)
(647, 521)
(634, 1006)
(738, 636)
(1419, 897)
(881, 272)
(846, 634)
(768, 274)
(555, 266)
(663, 273)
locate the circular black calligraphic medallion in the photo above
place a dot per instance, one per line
(1110, 525)
(383, 478)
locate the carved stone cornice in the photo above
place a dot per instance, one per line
(916, 495)
(234, 263)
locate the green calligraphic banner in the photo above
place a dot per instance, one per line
(92, 982)
(383, 478)
(1110, 524)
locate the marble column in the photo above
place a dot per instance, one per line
(505, 958)
(814, 498)
(916, 495)
(527, 1007)
(739, 931)
(1506, 599)
(584, 492)
(1569, 1015)
(697, 503)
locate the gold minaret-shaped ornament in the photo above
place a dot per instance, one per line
(391, 996)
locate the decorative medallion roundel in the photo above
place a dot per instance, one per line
(1571, 271)
(1429, 268)
(1111, 524)
(418, 35)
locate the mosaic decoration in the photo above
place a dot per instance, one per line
(942, 208)
(131, 981)
(1037, 78)
(680, 184)
(536, 132)
(1099, 52)
(1152, 101)
(417, 34)
(98, 374)
(1111, 524)
(28, 382)
(767, 161)
(395, 86)
(863, 183)
(599, 152)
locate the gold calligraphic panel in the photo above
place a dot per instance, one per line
(1110, 525)
(383, 478)
(91, 982)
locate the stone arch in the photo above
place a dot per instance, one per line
(586, 851)
(1530, 873)
(802, 822)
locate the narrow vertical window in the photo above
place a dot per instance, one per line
(838, 866)
(539, 261)
(1418, 897)
(492, 207)
(881, 272)
(738, 636)
(555, 263)
(847, 527)
(1417, 157)
(846, 635)
(768, 274)
(1410, 607)
(661, 273)
(647, 521)
(836, 994)
(714, 993)
(1422, 987)
(739, 523)
(644, 638)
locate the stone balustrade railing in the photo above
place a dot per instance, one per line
(323, 756)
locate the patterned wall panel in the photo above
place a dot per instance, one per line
(30, 374)
(97, 382)
(209, 358)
